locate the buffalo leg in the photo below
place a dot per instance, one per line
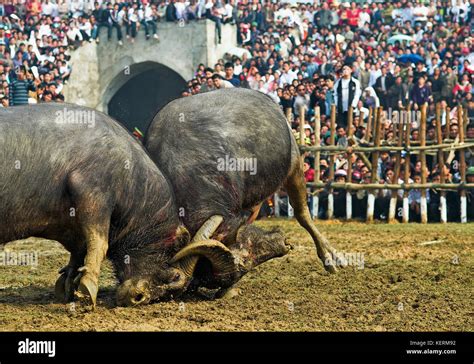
(97, 245)
(93, 216)
(296, 188)
(254, 215)
(65, 287)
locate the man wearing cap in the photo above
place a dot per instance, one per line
(347, 93)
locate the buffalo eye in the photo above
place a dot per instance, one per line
(176, 277)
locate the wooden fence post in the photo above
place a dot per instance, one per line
(448, 121)
(368, 131)
(424, 170)
(406, 170)
(332, 160)
(396, 173)
(302, 123)
(276, 204)
(375, 159)
(462, 165)
(442, 177)
(349, 165)
(317, 158)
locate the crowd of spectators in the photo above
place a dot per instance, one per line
(397, 55)
(400, 54)
(36, 37)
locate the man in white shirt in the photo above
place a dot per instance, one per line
(347, 93)
(180, 6)
(364, 17)
(375, 73)
(287, 75)
(301, 102)
(229, 12)
(47, 8)
(148, 18)
(420, 13)
(219, 82)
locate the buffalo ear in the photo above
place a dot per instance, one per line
(183, 237)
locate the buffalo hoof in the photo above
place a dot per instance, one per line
(60, 289)
(333, 259)
(329, 264)
(65, 287)
(87, 289)
(228, 293)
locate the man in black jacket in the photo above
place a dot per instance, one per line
(170, 12)
(112, 21)
(382, 84)
(438, 83)
(397, 95)
(101, 15)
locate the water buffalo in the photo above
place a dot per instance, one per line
(201, 144)
(74, 175)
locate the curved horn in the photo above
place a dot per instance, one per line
(218, 254)
(205, 232)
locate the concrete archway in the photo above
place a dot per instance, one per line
(135, 95)
(100, 70)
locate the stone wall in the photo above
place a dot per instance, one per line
(99, 70)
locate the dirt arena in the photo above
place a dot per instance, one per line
(411, 278)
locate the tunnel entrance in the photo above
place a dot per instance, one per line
(140, 92)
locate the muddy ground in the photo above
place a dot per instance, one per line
(404, 284)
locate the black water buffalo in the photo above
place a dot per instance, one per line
(224, 152)
(74, 175)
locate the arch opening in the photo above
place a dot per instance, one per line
(137, 94)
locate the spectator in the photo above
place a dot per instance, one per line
(219, 82)
(113, 22)
(230, 76)
(382, 85)
(420, 94)
(215, 14)
(171, 11)
(346, 94)
(149, 17)
(19, 87)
